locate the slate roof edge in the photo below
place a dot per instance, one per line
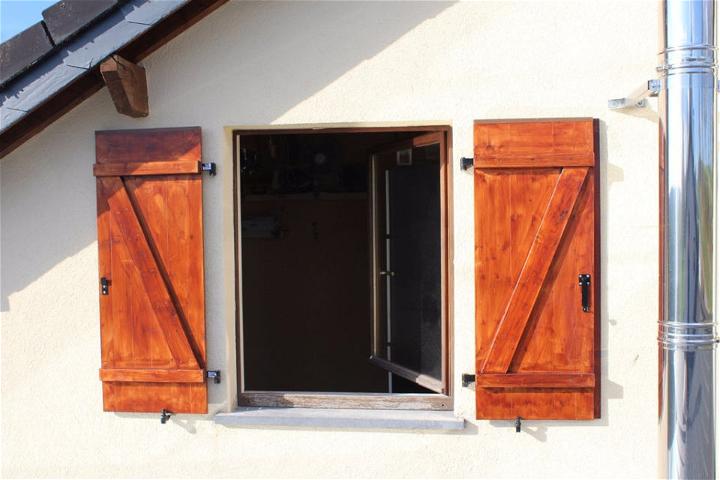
(53, 20)
(51, 88)
(79, 55)
(20, 52)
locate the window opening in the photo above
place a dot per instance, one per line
(327, 304)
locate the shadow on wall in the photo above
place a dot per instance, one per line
(289, 52)
(48, 215)
(609, 173)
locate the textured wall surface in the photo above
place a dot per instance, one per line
(289, 63)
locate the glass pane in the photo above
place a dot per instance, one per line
(412, 258)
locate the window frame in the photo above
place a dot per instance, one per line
(403, 401)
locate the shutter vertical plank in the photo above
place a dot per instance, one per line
(536, 202)
(170, 207)
(142, 258)
(508, 238)
(534, 271)
(150, 241)
(104, 235)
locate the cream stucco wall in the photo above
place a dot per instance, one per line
(289, 63)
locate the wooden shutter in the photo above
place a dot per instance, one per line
(150, 241)
(536, 231)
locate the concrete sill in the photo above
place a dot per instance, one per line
(341, 418)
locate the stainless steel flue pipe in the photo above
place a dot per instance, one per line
(687, 333)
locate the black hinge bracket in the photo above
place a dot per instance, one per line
(518, 424)
(466, 163)
(468, 380)
(165, 416)
(214, 375)
(104, 286)
(209, 167)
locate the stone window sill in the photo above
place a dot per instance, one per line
(341, 418)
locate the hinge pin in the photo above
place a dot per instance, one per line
(468, 380)
(164, 416)
(214, 375)
(209, 167)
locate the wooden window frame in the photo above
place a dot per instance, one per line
(400, 401)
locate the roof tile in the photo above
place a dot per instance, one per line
(66, 18)
(23, 50)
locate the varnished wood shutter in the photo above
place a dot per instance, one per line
(536, 232)
(152, 298)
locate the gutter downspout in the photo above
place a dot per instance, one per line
(687, 330)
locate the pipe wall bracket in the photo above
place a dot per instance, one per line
(638, 98)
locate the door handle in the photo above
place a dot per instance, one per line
(388, 273)
(584, 282)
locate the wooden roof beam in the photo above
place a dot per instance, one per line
(84, 86)
(127, 84)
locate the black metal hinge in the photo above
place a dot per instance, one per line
(584, 282)
(214, 375)
(209, 167)
(468, 380)
(104, 286)
(165, 416)
(466, 163)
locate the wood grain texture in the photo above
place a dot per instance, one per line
(150, 240)
(151, 375)
(145, 168)
(397, 401)
(148, 145)
(534, 138)
(536, 161)
(534, 271)
(147, 266)
(537, 379)
(596, 284)
(153, 397)
(536, 231)
(127, 85)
